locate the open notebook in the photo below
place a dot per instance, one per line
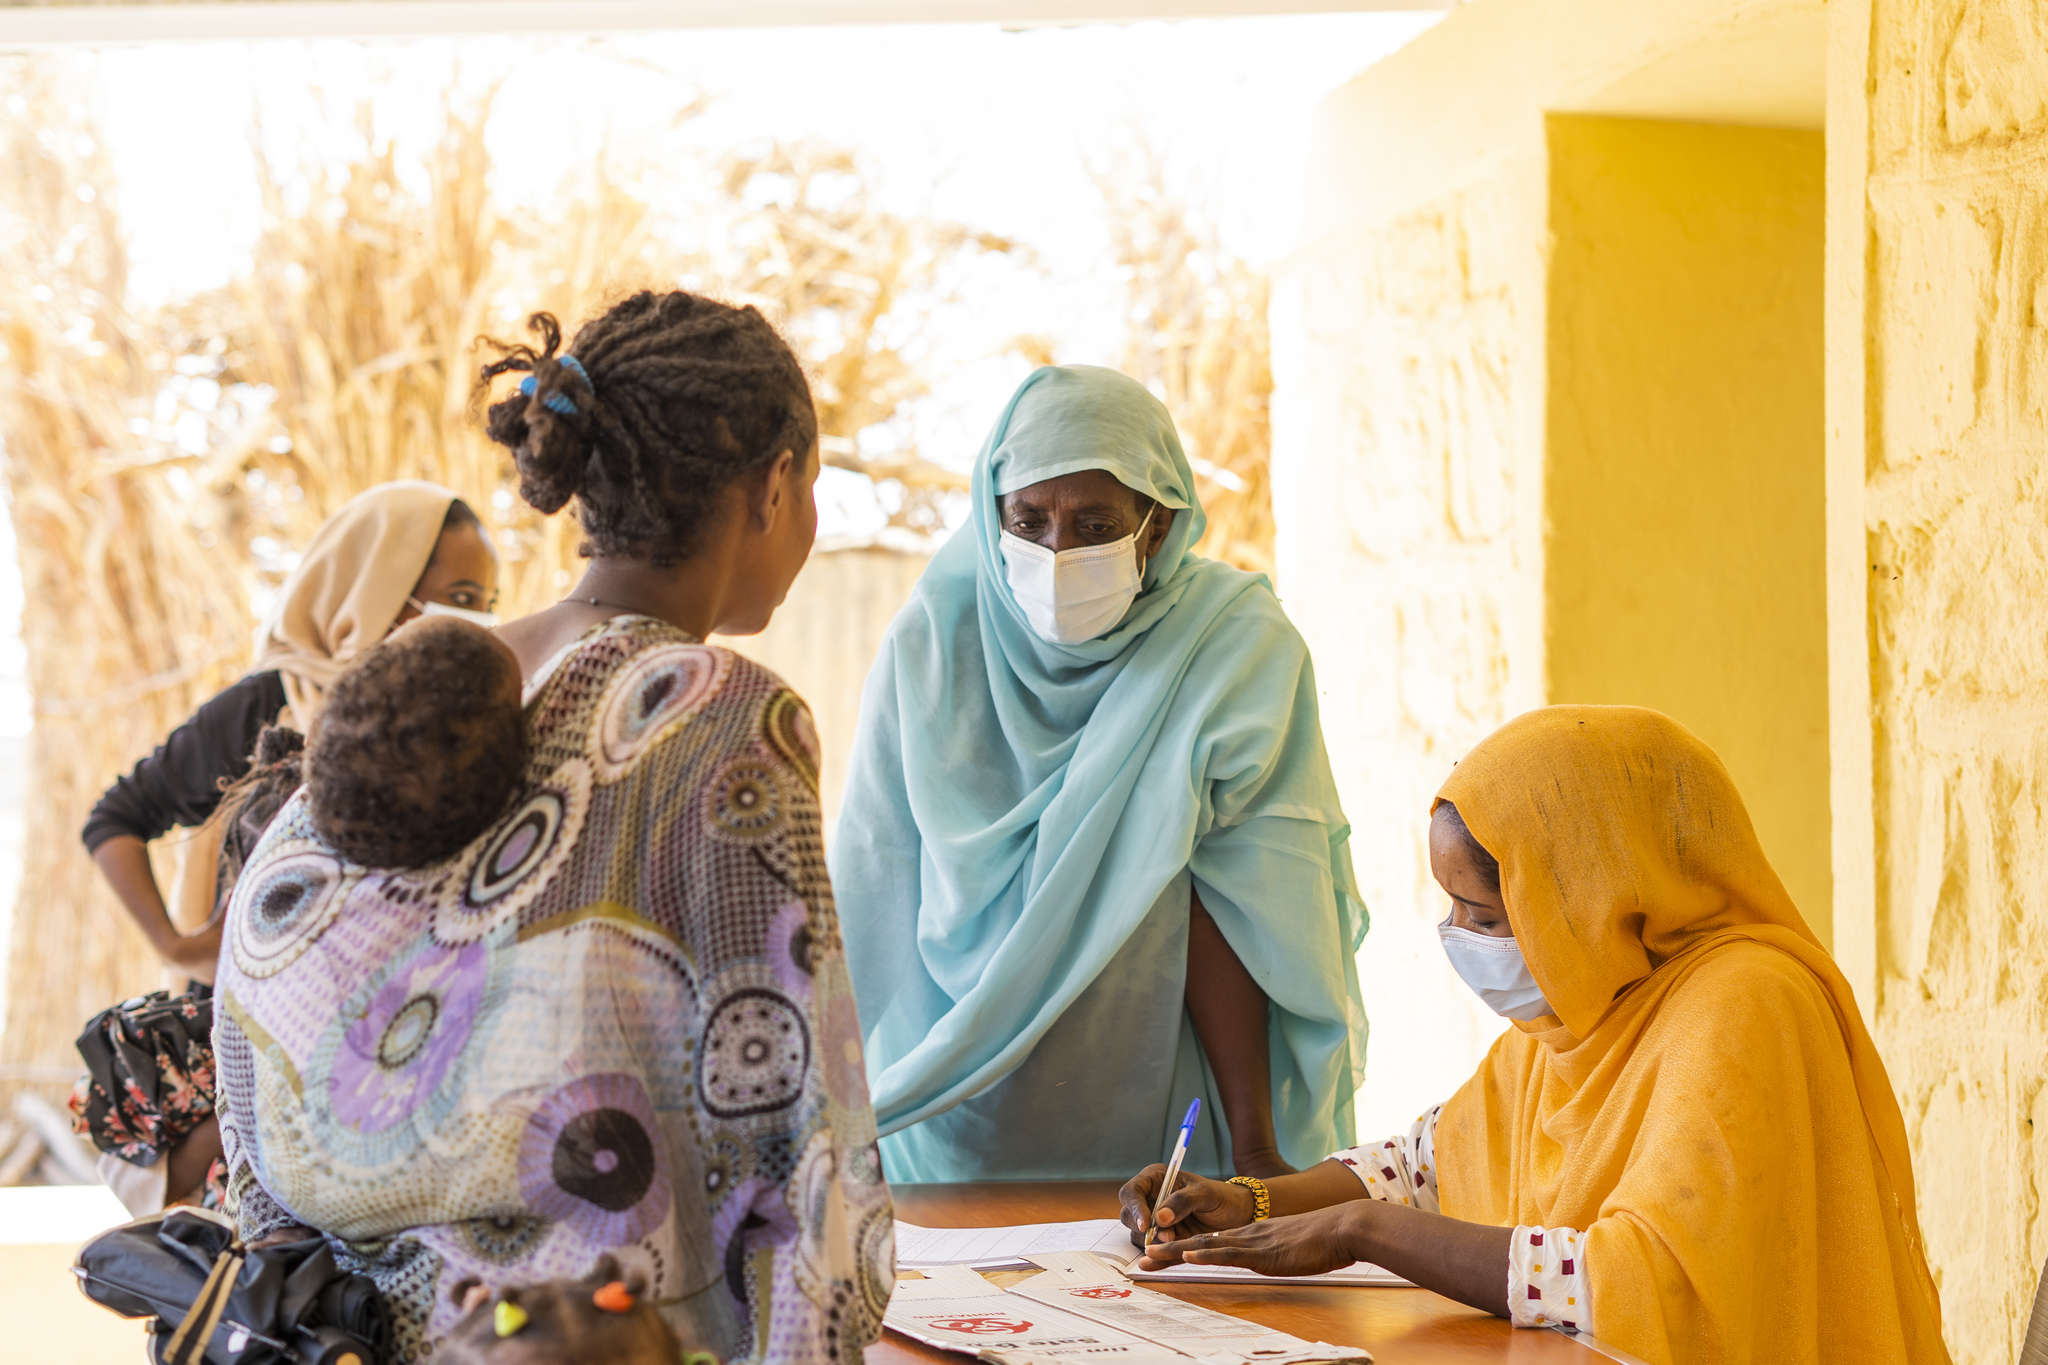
(920, 1248)
(1009, 1248)
(1363, 1273)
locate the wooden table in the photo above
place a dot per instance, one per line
(1399, 1326)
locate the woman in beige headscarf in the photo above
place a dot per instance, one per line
(398, 551)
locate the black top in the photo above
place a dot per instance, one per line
(180, 783)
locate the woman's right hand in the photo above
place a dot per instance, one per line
(197, 954)
(1198, 1204)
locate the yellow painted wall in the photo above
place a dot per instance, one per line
(1938, 465)
(1406, 417)
(1683, 488)
(1411, 389)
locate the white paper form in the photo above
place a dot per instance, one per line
(1087, 1287)
(918, 1248)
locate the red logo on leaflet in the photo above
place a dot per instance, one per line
(1100, 1291)
(982, 1327)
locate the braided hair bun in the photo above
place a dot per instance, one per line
(547, 427)
(419, 747)
(656, 407)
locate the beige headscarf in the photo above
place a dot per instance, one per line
(349, 589)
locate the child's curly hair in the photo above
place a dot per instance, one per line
(419, 747)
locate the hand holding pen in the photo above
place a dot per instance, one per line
(1173, 1163)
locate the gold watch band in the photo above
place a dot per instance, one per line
(1262, 1198)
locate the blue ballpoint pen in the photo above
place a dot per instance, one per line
(1180, 1154)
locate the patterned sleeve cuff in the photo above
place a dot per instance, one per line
(1547, 1279)
(1398, 1170)
(1422, 1155)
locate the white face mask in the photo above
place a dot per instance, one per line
(1074, 595)
(1494, 969)
(487, 619)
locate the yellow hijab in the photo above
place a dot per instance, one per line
(1706, 1106)
(349, 589)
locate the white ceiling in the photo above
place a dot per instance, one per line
(1769, 69)
(31, 22)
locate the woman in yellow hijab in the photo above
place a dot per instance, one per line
(1685, 1144)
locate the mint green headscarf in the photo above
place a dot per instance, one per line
(1019, 814)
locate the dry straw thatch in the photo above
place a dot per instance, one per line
(132, 609)
(1195, 315)
(150, 456)
(156, 458)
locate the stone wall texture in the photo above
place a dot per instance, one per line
(1403, 384)
(1956, 514)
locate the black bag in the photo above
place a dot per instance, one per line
(216, 1301)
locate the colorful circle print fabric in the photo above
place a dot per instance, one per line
(618, 1023)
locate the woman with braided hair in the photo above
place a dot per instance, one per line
(611, 1026)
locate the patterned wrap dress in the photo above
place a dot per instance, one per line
(618, 1022)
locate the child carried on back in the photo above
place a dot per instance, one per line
(420, 747)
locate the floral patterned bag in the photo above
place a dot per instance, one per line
(149, 1078)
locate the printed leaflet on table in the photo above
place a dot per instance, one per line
(1084, 1308)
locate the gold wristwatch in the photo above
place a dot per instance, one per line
(1262, 1199)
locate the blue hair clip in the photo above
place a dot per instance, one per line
(558, 402)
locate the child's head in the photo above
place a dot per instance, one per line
(419, 746)
(601, 1319)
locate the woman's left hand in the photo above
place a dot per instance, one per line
(1305, 1244)
(284, 1236)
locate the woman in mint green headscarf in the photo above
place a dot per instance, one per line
(1091, 862)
